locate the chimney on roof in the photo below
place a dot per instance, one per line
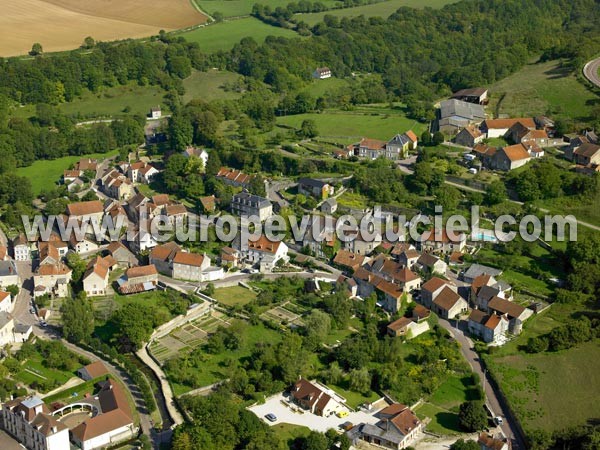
(54, 429)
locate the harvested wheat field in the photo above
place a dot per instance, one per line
(63, 24)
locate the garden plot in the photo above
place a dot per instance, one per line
(187, 337)
(283, 316)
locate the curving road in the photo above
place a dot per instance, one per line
(592, 71)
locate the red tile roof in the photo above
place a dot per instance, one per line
(141, 271)
(189, 259)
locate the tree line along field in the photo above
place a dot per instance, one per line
(235, 8)
(63, 24)
(381, 9)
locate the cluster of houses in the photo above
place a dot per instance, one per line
(398, 147)
(108, 417)
(74, 178)
(396, 427)
(584, 151)
(407, 272)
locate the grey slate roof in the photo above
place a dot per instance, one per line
(458, 108)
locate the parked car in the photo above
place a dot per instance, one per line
(43, 323)
(342, 414)
(498, 420)
(31, 311)
(271, 417)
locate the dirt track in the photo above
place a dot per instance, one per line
(63, 24)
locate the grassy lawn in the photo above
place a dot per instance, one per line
(551, 391)
(208, 86)
(348, 127)
(289, 433)
(382, 9)
(75, 393)
(44, 174)
(214, 368)
(318, 88)
(583, 209)
(453, 392)
(353, 399)
(540, 89)
(234, 295)
(223, 36)
(116, 101)
(34, 370)
(443, 422)
(522, 274)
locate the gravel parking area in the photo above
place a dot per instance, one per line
(284, 413)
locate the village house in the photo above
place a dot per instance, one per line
(329, 206)
(137, 208)
(315, 398)
(487, 441)
(7, 329)
(322, 73)
(229, 257)
(84, 245)
(485, 153)
(200, 153)
(476, 270)
(86, 165)
(92, 371)
(496, 128)
(21, 248)
(117, 185)
(348, 285)
(469, 136)
(138, 279)
(491, 328)
(400, 145)
(48, 253)
(141, 172)
(234, 177)
(432, 264)
(315, 188)
(587, 155)
(246, 204)
(142, 241)
(445, 241)
(368, 148)
(511, 157)
(360, 244)
(407, 327)
(28, 419)
(265, 254)
(6, 304)
(56, 241)
(389, 295)
(175, 214)
(408, 258)
(515, 313)
(520, 134)
(348, 260)
(121, 255)
(190, 266)
(432, 288)
(8, 274)
(52, 279)
(91, 210)
(155, 113)
(455, 115)
(117, 214)
(162, 257)
(95, 278)
(112, 425)
(448, 304)
(398, 428)
(394, 272)
(478, 95)
(209, 204)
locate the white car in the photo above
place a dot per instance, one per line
(498, 420)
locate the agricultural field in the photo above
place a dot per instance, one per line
(542, 88)
(45, 174)
(347, 127)
(381, 9)
(63, 24)
(210, 85)
(224, 35)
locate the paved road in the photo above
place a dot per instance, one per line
(591, 71)
(508, 428)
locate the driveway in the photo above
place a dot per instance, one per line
(274, 405)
